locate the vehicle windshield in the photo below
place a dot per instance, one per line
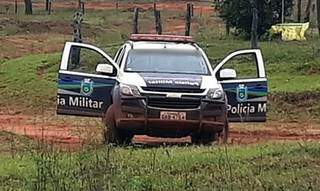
(166, 61)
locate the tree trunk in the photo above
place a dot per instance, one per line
(307, 12)
(28, 7)
(254, 25)
(299, 10)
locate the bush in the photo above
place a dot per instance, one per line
(238, 14)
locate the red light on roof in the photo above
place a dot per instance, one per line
(166, 38)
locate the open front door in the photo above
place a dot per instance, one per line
(243, 78)
(86, 78)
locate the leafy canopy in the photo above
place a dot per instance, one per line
(238, 14)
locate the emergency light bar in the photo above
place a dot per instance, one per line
(166, 38)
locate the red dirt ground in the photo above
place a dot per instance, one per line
(64, 134)
(30, 44)
(199, 8)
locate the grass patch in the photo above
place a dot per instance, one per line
(30, 81)
(290, 166)
(23, 86)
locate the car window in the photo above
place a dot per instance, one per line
(85, 60)
(245, 66)
(166, 61)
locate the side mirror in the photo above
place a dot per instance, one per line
(104, 69)
(227, 74)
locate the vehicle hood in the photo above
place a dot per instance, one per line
(167, 80)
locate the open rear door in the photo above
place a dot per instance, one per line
(243, 78)
(83, 87)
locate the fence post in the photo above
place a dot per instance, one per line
(318, 15)
(77, 37)
(158, 22)
(135, 21)
(188, 20)
(15, 6)
(47, 5)
(82, 8)
(50, 7)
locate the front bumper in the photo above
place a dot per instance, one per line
(141, 115)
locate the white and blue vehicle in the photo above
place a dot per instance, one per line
(163, 86)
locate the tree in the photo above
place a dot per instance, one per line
(299, 10)
(238, 14)
(28, 7)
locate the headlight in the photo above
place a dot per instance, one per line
(215, 94)
(129, 90)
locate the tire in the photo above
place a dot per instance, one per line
(203, 139)
(112, 134)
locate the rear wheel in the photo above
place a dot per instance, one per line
(111, 133)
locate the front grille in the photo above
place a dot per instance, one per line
(174, 103)
(178, 90)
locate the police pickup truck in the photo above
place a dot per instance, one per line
(162, 86)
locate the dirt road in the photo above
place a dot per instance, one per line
(72, 136)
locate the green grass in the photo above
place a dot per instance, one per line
(30, 81)
(280, 166)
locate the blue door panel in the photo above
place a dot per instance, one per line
(247, 101)
(83, 95)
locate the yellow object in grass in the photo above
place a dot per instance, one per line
(291, 31)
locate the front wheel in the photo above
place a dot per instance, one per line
(224, 135)
(112, 134)
(203, 138)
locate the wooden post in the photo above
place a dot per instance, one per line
(157, 17)
(135, 21)
(154, 8)
(82, 8)
(117, 6)
(28, 7)
(254, 25)
(49, 7)
(188, 20)
(318, 15)
(227, 29)
(192, 10)
(158, 22)
(77, 37)
(15, 6)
